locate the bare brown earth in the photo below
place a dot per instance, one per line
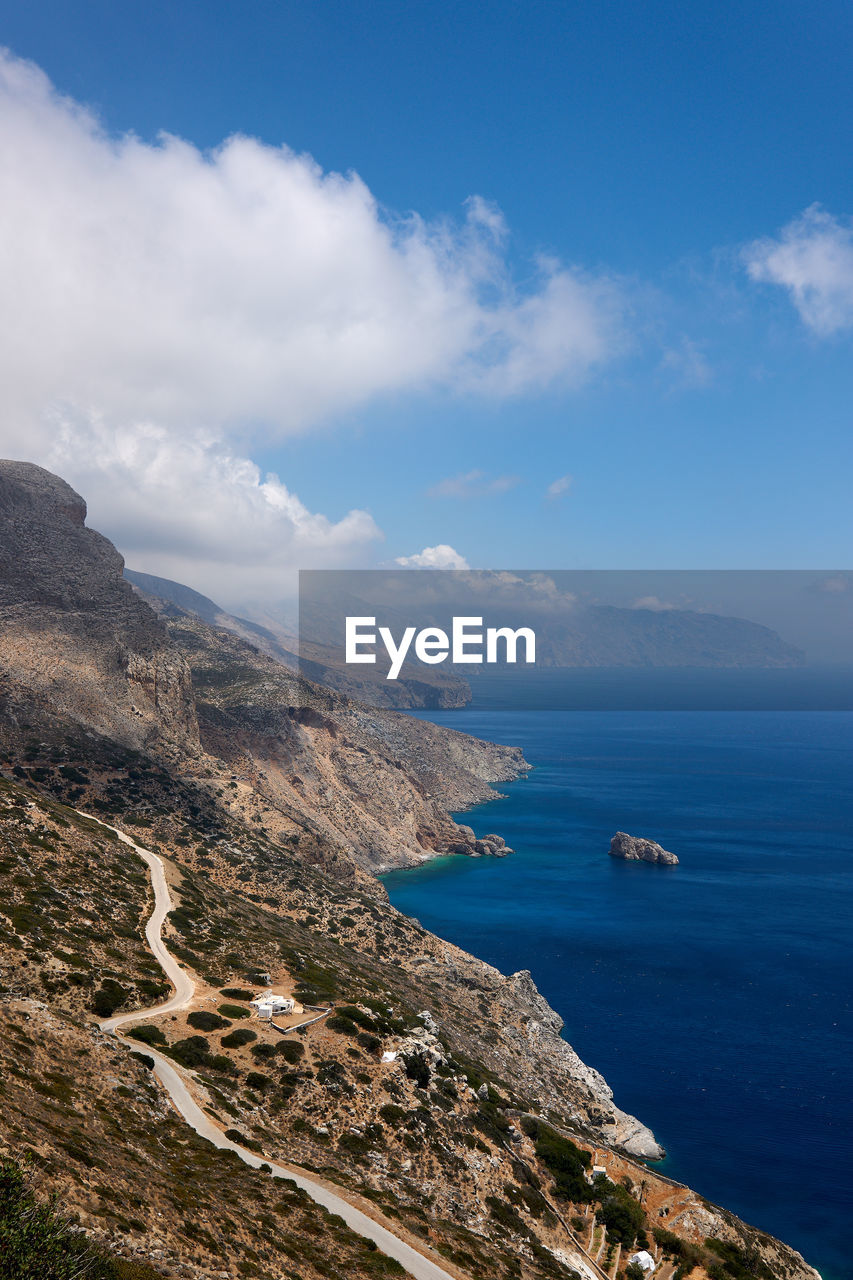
(274, 802)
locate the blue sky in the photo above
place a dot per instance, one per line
(652, 167)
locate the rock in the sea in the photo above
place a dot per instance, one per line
(636, 849)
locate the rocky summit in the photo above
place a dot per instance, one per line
(637, 849)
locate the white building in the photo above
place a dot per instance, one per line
(645, 1260)
(267, 1006)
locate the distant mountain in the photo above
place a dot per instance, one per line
(607, 636)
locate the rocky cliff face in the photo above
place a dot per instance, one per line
(369, 781)
(72, 633)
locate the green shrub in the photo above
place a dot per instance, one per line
(148, 1034)
(291, 1050)
(622, 1216)
(237, 1038)
(417, 1069)
(355, 1014)
(110, 996)
(234, 1011)
(37, 1241)
(345, 1026)
(219, 1062)
(204, 1020)
(237, 993)
(194, 1051)
(566, 1162)
(742, 1264)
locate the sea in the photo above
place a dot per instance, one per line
(715, 996)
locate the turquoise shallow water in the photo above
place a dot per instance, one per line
(714, 996)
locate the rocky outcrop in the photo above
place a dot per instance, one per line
(466, 842)
(72, 631)
(637, 849)
(369, 781)
(538, 1030)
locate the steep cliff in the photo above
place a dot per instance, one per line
(73, 635)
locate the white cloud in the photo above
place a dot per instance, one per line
(472, 484)
(181, 306)
(812, 258)
(220, 525)
(440, 557)
(245, 284)
(560, 487)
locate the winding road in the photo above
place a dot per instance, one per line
(175, 1081)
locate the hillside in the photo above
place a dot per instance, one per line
(271, 802)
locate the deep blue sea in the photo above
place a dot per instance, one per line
(714, 996)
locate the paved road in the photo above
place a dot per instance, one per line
(175, 1082)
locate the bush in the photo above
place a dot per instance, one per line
(37, 1241)
(417, 1069)
(204, 1020)
(110, 996)
(345, 1026)
(194, 1051)
(233, 1011)
(621, 1214)
(257, 1080)
(392, 1114)
(148, 1035)
(236, 1039)
(237, 993)
(741, 1264)
(291, 1050)
(357, 1015)
(566, 1162)
(263, 1052)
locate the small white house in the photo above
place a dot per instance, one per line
(267, 1005)
(645, 1260)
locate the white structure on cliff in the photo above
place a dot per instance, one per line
(645, 1260)
(267, 1006)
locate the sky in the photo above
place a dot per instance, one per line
(524, 285)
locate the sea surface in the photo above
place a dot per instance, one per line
(714, 996)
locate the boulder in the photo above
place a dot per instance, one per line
(637, 849)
